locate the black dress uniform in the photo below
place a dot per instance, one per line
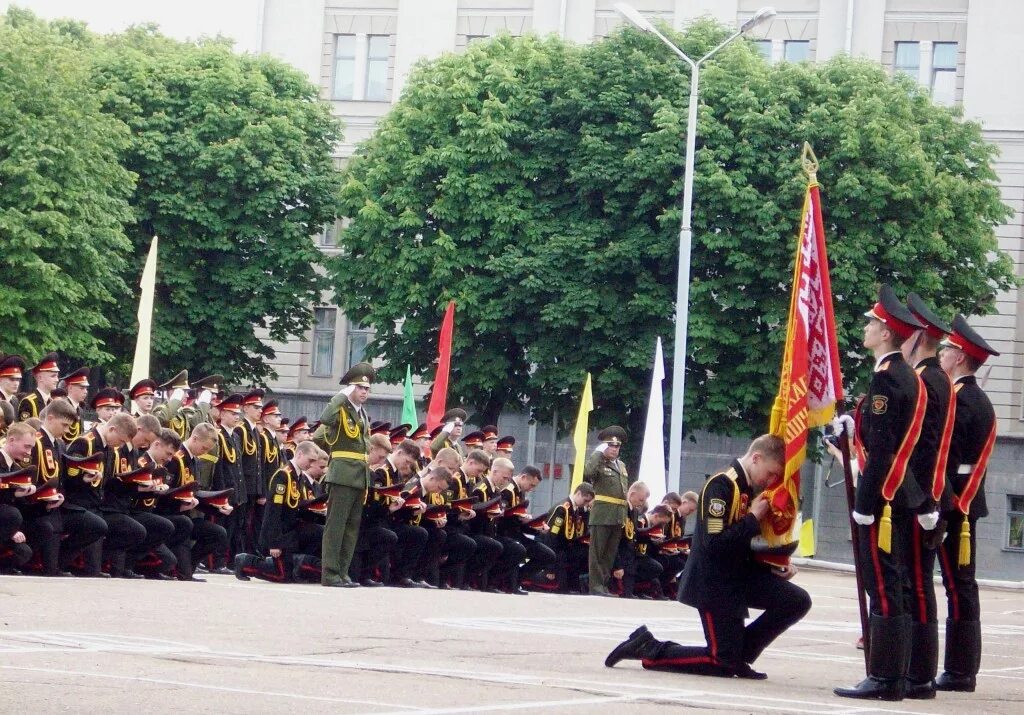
(251, 457)
(928, 465)
(12, 555)
(974, 436)
(487, 562)
(211, 539)
(32, 404)
(888, 425)
(227, 474)
(566, 526)
(722, 579)
(413, 536)
(634, 558)
(539, 555)
(377, 538)
(160, 530)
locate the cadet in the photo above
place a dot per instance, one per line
(722, 579)
(608, 476)
(889, 424)
(251, 513)
(11, 369)
(566, 525)
(928, 466)
(227, 474)
(346, 430)
(143, 396)
(45, 373)
(974, 436)
(77, 386)
(539, 556)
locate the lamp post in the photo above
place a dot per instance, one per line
(675, 443)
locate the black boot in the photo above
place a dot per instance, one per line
(963, 656)
(886, 662)
(924, 661)
(242, 563)
(632, 648)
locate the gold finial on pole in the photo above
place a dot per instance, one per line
(810, 163)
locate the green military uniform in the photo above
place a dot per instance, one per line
(608, 512)
(443, 439)
(346, 432)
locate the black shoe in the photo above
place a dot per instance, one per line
(519, 591)
(951, 682)
(872, 688)
(630, 648)
(128, 573)
(920, 691)
(340, 584)
(747, 673)
(98, 574)
(426, 584)
(192, 578)
(223, 571)
(201, 566)
(241, 561)
(370, 583)
(162, 577)
(406, 583)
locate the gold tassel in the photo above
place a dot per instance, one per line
(965, 544)
(885, 530)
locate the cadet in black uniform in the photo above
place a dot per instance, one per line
(45, 373)
(567, 523)
(538, 555)
(77, 386)
(250, 514)
(722, 579)
(974, 437)
(888, 497)
(11, 369)
(928, 465)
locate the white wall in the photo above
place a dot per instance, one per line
(425, 30)
(292, 30)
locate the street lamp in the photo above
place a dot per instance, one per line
(675, 443)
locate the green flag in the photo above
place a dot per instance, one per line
(409, 402)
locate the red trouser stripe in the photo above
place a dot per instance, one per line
(947, 576)
(712, 639)
(922, 607)
(879, 579)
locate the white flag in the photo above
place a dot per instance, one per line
(652, 457)
(140, 366)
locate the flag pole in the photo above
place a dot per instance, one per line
(844, 448)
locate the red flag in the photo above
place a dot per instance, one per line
(439, 393)
(810, 384)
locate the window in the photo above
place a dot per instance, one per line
(344, 66)
(797, 50)
(908, 59)
(764, 48)
(324, 322)
(943, 80)
(328, 237)
(378, 49)
(470, 39)
(358, 338)
(1015, 522)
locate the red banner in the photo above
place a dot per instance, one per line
(439, 393)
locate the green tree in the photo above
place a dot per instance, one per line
(63, 196)
(536, 183)
(234, 158)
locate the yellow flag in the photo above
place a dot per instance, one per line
(140, 366)
(579, 435)
(807, 538)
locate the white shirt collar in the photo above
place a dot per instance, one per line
(881, 358)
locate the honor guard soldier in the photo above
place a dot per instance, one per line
(566, 525)
(172, 413)
(722, 579)
(490, 440)
(45, 373)
(490, 561)
(413, 536)
(633, 563)
(251, 514)
(974, 437)
(421, 436)
(607, 474)
(504, 447)
(298, 432)
(227, 474)
(451, 429)
(346, 430)
(11, 369)
(928, 466)
(143, 396)
(106, 403)
(77, 386)
(539, 557)
(888, 496)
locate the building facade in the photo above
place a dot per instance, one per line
(360, 53)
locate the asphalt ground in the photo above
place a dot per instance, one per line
(115, 646)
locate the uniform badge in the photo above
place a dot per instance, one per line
(879, 404)
(280, 488)
(715, 526)
(557, 526)
(51, 464)
(716, 508)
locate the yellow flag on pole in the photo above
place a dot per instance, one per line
(140, 365)
(579, 435)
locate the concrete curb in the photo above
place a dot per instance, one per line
(815, 564)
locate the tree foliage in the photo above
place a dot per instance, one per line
(536, 183)
(63, 196)
(233, 154)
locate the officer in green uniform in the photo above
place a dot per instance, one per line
(345, 430)
(606, 472)
(452, 424)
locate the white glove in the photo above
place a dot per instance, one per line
(601, 447)
(864, 519)
(843, 424)
(178, 394)
(204, 397)
(450, 427)
(348, 390)
(928, 522)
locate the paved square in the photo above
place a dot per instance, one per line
(82, 645)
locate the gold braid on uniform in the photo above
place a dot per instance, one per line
(292, 498)
(351, 429)
(271, 450)
(178, 424)
(246, 442)
(43, 467)
(570, 526)
(228, 453)
(186, 474)
(629, 527)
